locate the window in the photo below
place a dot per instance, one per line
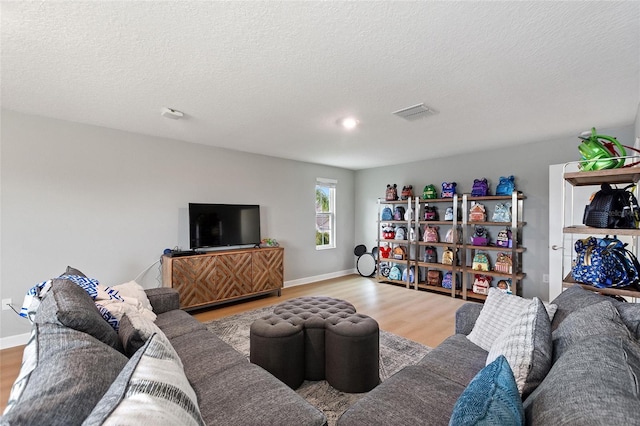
(325, 213)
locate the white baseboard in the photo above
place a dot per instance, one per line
(17, 340)
(22, 339)
(322, 277)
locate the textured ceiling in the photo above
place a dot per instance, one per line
(274, 77)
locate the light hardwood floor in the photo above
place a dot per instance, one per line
(423, 317)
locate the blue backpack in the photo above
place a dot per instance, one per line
(387, 214)
(506, 186)
(395, 273)
(480, 188)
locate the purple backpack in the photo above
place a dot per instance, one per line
(480, 188)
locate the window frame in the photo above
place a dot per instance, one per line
(331, 185)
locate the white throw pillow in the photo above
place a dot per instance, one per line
(136, 291)
(500, 310)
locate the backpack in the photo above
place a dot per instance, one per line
(429, 192)
(448, 189)
(392, 192)
(605, 262)
(504, 238)
(387, 214)
(388, 232)
(448, 238)
(385, 269)
(401, 233)
(504, 286)
(395, 273)
(480, 188)
(434, 277)
(411, 275)
(430, 254)
(385, 251)
(448, 214)
(477, 212)
(480, 262)
(412, 234)
(506, 185)
(399, 253)
(407, 191)
(430, 213)
(502, 212)
(480, 236)
(447, 280)
(504, 263)
(481, 284)
(398, 213)
(447, 257)
(430, 234)
(612, 208)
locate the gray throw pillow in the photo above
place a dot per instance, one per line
(572, 299)
(134, 332)
(73, 271)
(68, 304)
(63, 379)
(598, 319)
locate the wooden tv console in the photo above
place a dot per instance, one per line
(222, 276)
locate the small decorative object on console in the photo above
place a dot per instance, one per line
(269, 242)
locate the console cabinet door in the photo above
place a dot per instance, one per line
(267, 270)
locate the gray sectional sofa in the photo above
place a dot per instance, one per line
(82, 372)
(593, 374)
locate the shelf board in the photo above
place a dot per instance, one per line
(507, 224)
(611, 176)
(494, 197)
(496, 248)
(581, 229)
(472, 295)
(518, 276)
(439, 289)
(440, 266)
(628, 291)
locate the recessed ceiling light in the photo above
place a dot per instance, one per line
(348, 123)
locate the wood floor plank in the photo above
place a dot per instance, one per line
(427, 318)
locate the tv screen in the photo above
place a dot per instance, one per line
(223, 225)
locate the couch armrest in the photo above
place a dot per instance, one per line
(466, 317)
(163, 299)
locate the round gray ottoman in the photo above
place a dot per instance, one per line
(316, 338)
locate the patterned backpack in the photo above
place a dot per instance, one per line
(504, 238)
(477, 213)
(481, 284)
(448, 189)
(506, 186)
(395, 273)
(480, 188)
(407, 191)
(430, 254)
(411, 275)
(399, 253)
(387, 213)
(448, 238)
(480, 236)
(448, 214)
(430, 234)
(504, 263)
(429, 192)
(392, 192)
(430, 213)
(398, 213)
(401, 233)
(480, 262)
(447, 281)
(447, 257)
(502, 213)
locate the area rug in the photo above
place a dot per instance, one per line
(395, 353)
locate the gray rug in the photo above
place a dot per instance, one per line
(395, 353)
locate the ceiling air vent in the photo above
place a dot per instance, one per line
(414, 112)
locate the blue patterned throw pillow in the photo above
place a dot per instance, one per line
(492, 398)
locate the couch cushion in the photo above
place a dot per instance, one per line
(492, 398)
(69, 305)
(151, 389)
(500, 310)
(246, 394)
(597, 319)
(135, 330)
(71, 371)
(413, 396)
(594, 382)
(630, 314)
(526, 345)
(178, 323)
(456, 358)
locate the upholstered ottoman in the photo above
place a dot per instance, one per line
(316, 338)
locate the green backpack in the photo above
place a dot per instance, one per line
(429, 192)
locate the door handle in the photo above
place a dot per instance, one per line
(555, 247)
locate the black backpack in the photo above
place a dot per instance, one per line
(612, 208)
(430, 254)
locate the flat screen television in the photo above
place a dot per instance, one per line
(223, 225)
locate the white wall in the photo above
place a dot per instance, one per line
(109, 202)
(529, 163)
